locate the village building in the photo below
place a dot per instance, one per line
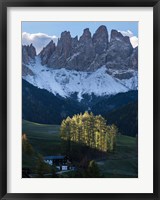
(62, 163)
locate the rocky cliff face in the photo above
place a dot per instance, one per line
(28, 56)
(28, 53)
(134, 59)
(47, 52)
(87, 53)
(119, 51)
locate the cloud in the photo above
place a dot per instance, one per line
(133, 39)
(39, 40)
(127, 33)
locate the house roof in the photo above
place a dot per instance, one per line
(53, 157)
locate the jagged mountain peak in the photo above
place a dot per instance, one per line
(65, 34)
(88, 53)
(90, 64)
(50, 43)
(100, 40)
(28, 53)
(102, 28)
(116, 35)
(86, 35)
(47, 52)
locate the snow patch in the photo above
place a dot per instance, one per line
(67, 82)
(132, 83)
(73, 56)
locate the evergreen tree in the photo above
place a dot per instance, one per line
(89, 130)
(41, 167)
(111, 141)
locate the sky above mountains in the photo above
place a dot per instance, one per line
(40, 33)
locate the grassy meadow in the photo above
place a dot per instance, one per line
(121, 163)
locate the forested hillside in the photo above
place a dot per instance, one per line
(39, 105)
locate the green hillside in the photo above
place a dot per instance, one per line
(123, 162)
(44, 138)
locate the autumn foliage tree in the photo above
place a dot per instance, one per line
(41, 167)
(89, 130)
(26, 146)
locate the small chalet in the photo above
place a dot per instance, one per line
(61, 162)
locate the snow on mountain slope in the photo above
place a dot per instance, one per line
(131, 83)
(66, 82)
